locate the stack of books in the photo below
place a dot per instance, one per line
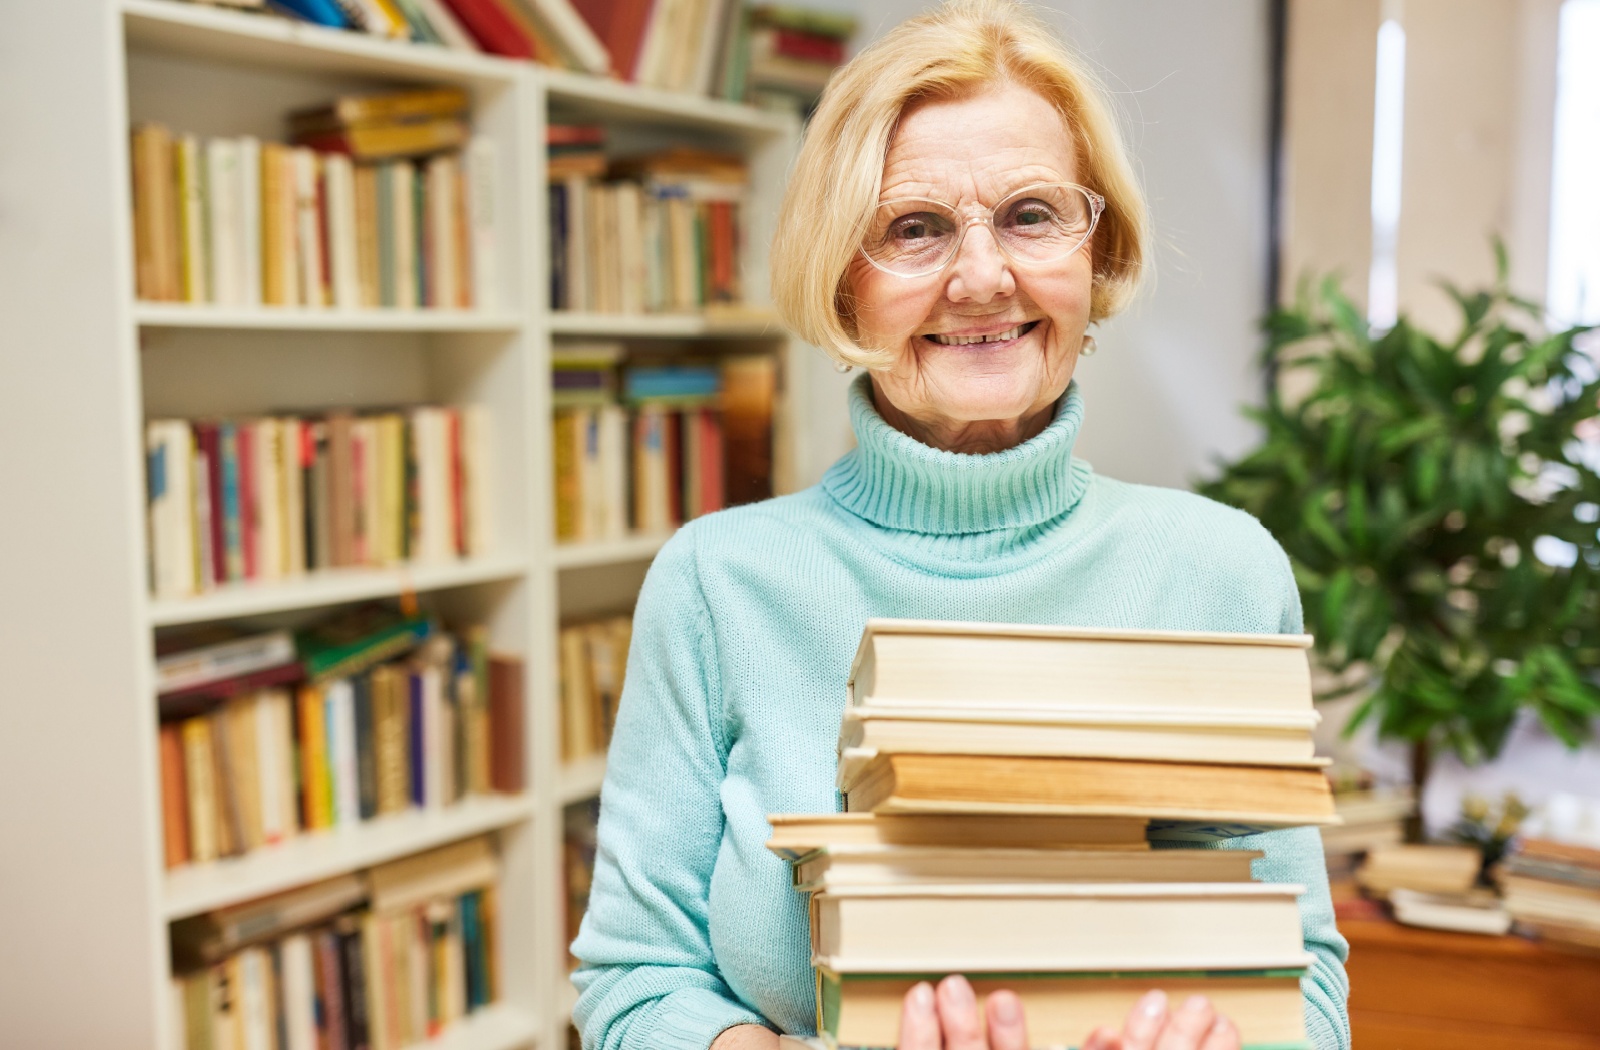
(643, 447)
(1003, 784)
(269, 498)
(385, 960)
(1552, 890)
(593, 660)
(662, 233)
(370, 713)
(371, 210)
(793, 52)
(1371, 818)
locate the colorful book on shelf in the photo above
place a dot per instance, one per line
(389, 141)
(620, 26)
(505, 760)
(201, 657)
(394, 107)
(358, 640)
(495, 28)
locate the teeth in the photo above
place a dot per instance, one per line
(964, 340)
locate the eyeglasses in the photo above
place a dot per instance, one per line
(917, 237)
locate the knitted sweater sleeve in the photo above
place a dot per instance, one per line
(649, 979)
(1295, 856)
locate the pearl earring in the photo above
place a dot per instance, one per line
(1088, 348)
(841, 367)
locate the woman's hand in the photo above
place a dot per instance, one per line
(947, 1018)
(1195, 1026)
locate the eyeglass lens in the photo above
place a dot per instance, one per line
(1037, 224)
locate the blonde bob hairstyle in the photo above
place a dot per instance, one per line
(952, 52)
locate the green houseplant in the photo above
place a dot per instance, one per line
(1438, 500)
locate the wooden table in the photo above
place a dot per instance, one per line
(1414, 989)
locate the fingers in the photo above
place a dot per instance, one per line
(958, 1015)
(919, 1019)
(1189, 1026)
(1103, 1038)
(1008, 1029)
(1223, 1036)
(1145, 1021)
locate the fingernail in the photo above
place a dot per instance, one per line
(922, 998)
(959, 992)
(1222, 1026)
(1007, 1008)
(1195, 1004)
(1153, 1005)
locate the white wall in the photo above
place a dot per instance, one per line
(1191, 82)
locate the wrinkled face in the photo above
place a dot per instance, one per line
(972, 154)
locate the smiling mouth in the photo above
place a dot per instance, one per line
(968, 340)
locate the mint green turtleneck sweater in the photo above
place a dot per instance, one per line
(742, 643)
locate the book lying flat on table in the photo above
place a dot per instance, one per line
(1267, 1005)
(907, 783)
(835, 867)
(924, 663)
(796, 835)
(1057, 927)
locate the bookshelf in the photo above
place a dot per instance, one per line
(98, 898)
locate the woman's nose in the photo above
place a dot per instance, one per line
(981, 270)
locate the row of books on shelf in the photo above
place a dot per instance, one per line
(373, 713)
(717, 48)
(240, 222)
(593, 661)
(382, 960)
(546, 31)
(275, 497)
(684, 439)
(1003, 786)
(721, 48)
(662, 233)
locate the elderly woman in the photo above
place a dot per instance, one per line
(961, 211)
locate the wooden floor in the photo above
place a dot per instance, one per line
(1414, 989)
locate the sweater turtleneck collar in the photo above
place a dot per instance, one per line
(896, 482)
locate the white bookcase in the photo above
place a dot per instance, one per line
(88, 901)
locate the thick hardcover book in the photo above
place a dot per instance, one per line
(921, 783)
(1024, 666)
(1266, 1005)
(796, 835)
(990, 927)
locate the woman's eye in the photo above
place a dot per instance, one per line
(1030, 215)
(915, 228)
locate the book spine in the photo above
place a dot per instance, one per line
(174, 797)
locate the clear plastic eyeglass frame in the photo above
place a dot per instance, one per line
(1097, 206)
